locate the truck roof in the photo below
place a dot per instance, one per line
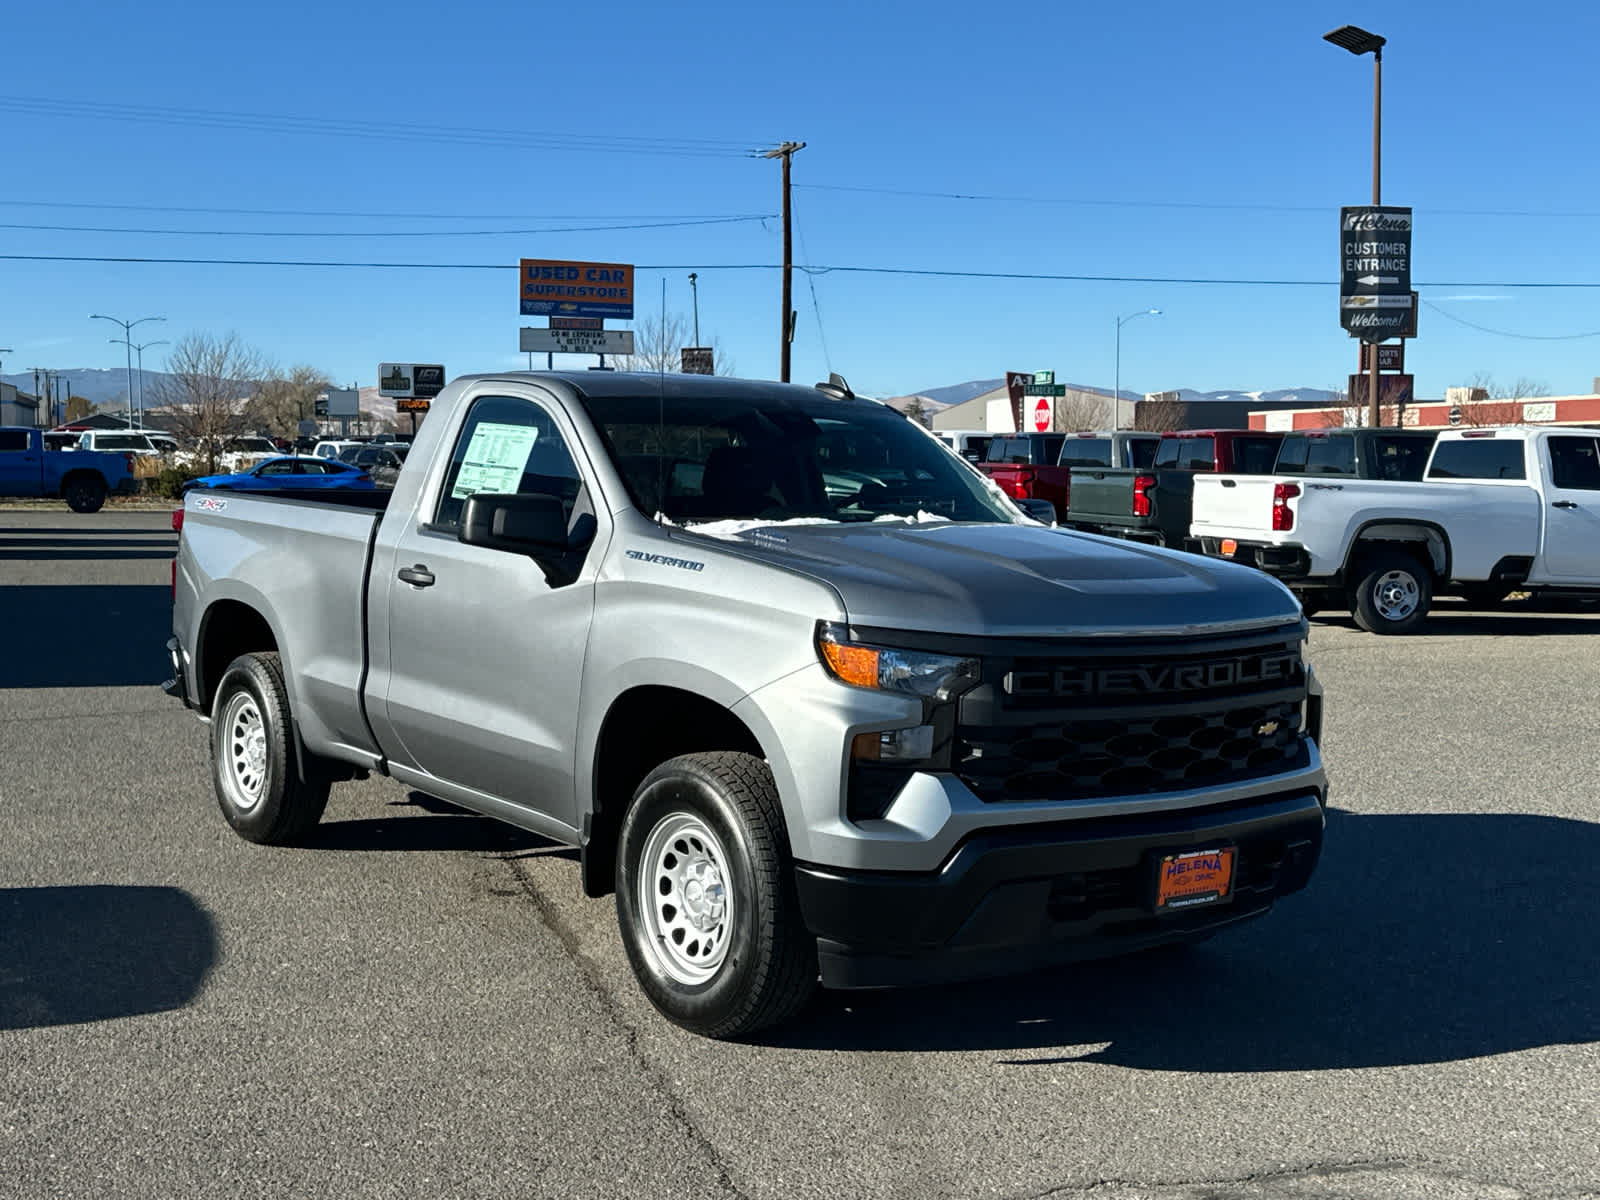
(670, 385)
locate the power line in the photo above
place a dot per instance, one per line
(394, 216)
(383, 233)
(816, 308)
(1198, 205)
(1527, 337)
(443, 134)
(1038, 276)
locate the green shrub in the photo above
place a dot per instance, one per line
(169, 483)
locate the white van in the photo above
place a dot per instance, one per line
(128, 441)
(969, 443)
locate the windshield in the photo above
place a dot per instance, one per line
(776, 458)
(253, 445)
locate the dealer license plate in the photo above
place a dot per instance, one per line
(1193, 878)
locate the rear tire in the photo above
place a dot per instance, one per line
(706, 900)
(84, 493)
(253, 769)
(1393, 593)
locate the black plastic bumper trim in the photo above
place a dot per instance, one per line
(1015, 899)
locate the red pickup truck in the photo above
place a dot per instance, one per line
(1038, 466)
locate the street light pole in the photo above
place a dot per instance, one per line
(694, 291)
(1359, 41)
(1116, 398)
(127, 341)
(139, 350)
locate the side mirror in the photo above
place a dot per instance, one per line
(533, 525)
(1040, 510)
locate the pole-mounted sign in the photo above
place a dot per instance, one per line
(1375, 299)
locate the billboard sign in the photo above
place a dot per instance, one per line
(1390, 357)
(576, 341)
(557, 288)
(1375, 299)
(1017, 384)
(408, 380)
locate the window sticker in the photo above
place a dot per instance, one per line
(494, 459)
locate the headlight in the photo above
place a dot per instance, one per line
(936, 677)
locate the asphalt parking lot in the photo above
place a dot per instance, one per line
(422, 1003)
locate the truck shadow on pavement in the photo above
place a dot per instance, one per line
(69, 955)
(1542, 618)
(1421, 939)
(110, 636)
(441, 826)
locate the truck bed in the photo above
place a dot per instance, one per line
(311, 552)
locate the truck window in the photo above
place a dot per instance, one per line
(12, 440)
(1086, 452)
(1291, 456)
(1575, 463)
(1142, 452)
(1478, 458)
(1330, 456)
(1009, 450)
(1402, 458)
(1167, 453)
(1199, 454)
(1255, 455)
(507, 446)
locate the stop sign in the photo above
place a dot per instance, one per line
(1041, 415)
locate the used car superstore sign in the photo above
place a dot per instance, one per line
(548, 287)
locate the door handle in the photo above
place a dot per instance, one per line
(1228, 482)
(417, 576)
(1564, 504)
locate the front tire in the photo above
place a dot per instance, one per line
(1393, 593)
(706, 901)
(84, 494)
(252, 760)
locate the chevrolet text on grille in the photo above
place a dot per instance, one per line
(1169, 677)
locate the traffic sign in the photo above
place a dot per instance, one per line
(1044, 377)
(576, 341)
(1042, 415)
(1045, 389)
(1375, 299)
(551, 287)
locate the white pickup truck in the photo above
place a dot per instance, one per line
(1496, 510)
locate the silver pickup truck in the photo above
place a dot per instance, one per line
(812, 697)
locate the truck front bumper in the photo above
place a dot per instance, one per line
(1016, 899)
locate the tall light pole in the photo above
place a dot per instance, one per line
(139, 350)
(1116, 399)
(127, 334)
(694, 290)
(1358, 41)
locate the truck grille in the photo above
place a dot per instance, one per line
(1090, 721)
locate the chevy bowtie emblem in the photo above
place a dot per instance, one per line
(1266, 729)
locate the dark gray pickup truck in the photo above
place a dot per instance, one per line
(809, 695)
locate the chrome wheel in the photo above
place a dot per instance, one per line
(244, 751)
(684, 895)
(1396, 594)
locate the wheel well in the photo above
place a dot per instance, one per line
(1426, 543)
(230, 629)
(82, 473)
(645, 727)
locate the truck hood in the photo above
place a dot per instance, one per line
(1016, 580)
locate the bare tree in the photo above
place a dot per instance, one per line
(1503, 405)
(1080, 411)
(658, 345)
(1160, 416)
(283, 401)
(209, 382)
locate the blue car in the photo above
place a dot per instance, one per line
(291, 472)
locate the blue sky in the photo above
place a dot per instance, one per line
(1159, 139)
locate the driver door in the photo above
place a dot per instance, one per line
(485, 653)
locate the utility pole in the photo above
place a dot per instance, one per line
(786, 152)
